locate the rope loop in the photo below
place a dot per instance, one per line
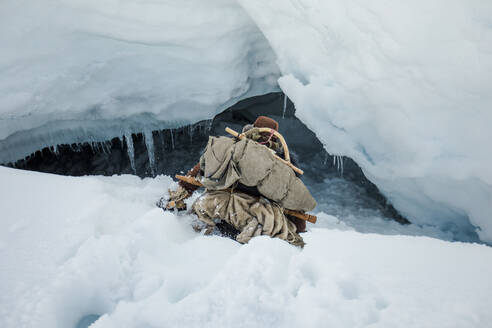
(272, 131)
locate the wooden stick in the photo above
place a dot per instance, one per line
(190, 180)
(240, 136)
(276, 134)
(300, 215)
(171, 204)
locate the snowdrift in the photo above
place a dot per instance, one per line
(75, 250)
(402, 88)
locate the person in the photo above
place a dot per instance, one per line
(243, 179)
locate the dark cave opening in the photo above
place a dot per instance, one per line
(176, 150)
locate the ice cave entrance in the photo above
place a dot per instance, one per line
(337, 183)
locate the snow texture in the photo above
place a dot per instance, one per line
(75, 250)
(94, 70)
(401, 87)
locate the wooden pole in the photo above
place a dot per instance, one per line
(302, 216)
(190, 180)
(288, 163)
(297, 214)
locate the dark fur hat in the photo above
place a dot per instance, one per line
(266, 122)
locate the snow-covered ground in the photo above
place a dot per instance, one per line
(403, 88)
(76, 249)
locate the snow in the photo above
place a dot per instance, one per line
(74, 250)
(88, 70)
(402, 88)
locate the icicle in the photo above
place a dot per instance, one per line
(338, 162)
(130, 150)
(326, 159)
(191, 134)
(102, 146)
(172, 139)
(91, 144)
(285, 106)
(341, 164)
(149, 143)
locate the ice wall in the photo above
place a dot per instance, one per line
(82, 63)
(404, 88)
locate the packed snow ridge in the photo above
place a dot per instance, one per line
(76, 251)
(402, 88)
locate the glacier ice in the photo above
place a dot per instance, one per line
(401, 88)
(72, 61)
